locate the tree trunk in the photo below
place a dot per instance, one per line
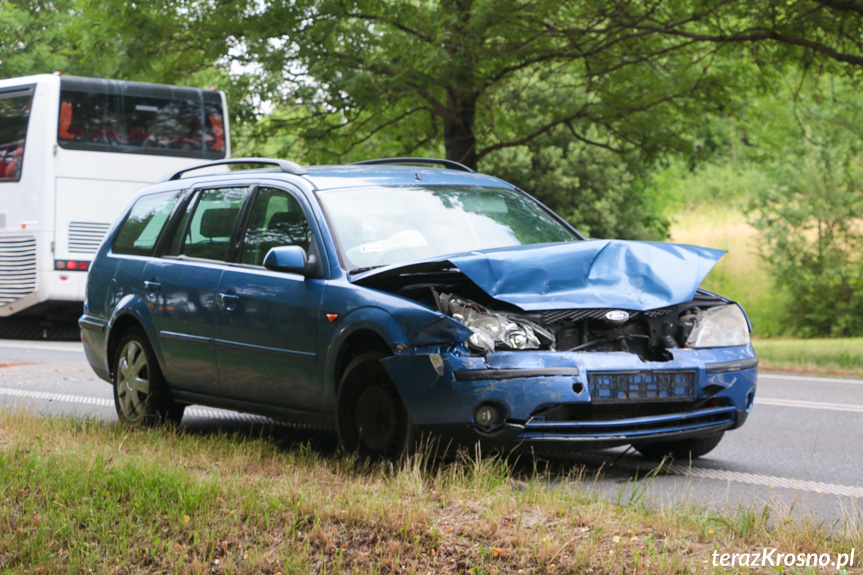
(459, 136)
(461, 91)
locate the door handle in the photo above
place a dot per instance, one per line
(229, 300)
(152, 287)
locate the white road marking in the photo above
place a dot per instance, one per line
(696, 472)
(103, 402)
(47, 396)
(673, 469)
(808, 404)
(810, 378)
(71, 347)
(768, 480)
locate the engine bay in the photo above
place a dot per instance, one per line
(499, 326)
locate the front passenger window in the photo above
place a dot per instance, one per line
(211, 227)
(277, 219)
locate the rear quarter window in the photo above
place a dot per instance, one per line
(142, 227)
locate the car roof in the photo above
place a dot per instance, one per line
(335, 177)
(385, 172)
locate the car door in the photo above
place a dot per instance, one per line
(268, 321)
(183, 288)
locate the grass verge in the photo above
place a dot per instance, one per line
(826, 356)
(84, 496)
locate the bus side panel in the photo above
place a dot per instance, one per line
(26, 211)
(85, 210)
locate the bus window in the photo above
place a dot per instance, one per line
(177, 122)
(14, 116)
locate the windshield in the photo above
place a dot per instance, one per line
(393, 225)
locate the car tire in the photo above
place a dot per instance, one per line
(372, 420)
(691, 448)
(140, 394)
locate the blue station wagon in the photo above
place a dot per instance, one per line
(404, 298)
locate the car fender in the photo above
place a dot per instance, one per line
(134, 306)
(408, 328)
(369, 318)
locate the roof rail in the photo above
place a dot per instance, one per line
(285, 166)
(448, 164)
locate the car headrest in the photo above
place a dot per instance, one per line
(218, 222)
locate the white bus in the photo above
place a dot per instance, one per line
(72, 152)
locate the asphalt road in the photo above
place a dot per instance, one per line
(799, 452)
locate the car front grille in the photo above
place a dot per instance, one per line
(558, 315)
(85, 237)
(17, 268)
(640, 386)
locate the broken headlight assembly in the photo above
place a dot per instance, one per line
(492, 330)
(720, 326)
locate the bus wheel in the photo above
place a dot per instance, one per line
(140, 394)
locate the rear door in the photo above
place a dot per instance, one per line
(266, 337)
(183, 287)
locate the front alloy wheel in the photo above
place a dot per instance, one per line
(140, 395)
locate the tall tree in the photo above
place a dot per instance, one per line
(479, 76)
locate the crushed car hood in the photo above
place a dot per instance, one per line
(577, 275)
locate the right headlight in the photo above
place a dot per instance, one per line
(721, 326)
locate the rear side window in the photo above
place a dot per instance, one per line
(14, 116)
(141, 228)
(208, 225)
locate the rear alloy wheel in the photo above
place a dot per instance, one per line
(140, 394)
(692, 448)
(372, 420)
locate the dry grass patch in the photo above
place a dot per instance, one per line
(83, 496)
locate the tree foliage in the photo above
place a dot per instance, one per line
(573, 101)
(811, 218)
(472, 77)
(598, 191)
(182, 42)
(801, 30)
(34, 36)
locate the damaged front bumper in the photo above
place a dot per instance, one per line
(575, 400)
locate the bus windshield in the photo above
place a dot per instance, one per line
(129, 117)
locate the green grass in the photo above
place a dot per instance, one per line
(84, 496)
(830, 356)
